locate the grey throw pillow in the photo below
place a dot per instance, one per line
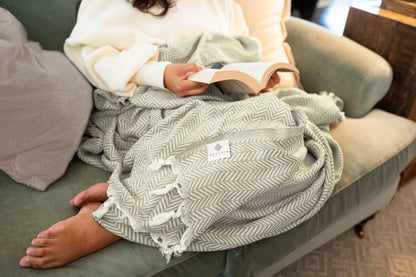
(45, 104)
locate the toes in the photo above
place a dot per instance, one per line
(71, 202)
(24, 262)
(36, 262)
(46, 234)
(103, 186)
(79, 199)
(95, 193)
(41, 242)
(39, 262)
(37, 251)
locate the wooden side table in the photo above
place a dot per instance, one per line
(393, 36)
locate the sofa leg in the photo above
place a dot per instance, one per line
(359, 228)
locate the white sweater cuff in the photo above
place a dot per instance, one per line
(151, 74)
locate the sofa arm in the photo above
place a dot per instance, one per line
(328, 62)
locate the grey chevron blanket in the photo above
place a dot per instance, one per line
(214, 171)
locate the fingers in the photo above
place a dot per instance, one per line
(276, 78)
(273, 81)
(176, 79)
(190, 68)
(189, 88)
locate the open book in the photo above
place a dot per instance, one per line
(242, 77)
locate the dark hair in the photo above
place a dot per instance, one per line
(146, 5)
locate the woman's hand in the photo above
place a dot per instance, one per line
(176, 79)
(273, 81)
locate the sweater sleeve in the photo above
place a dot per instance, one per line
(110, 54)
(119, 72)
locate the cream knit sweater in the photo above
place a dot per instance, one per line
(116, 46)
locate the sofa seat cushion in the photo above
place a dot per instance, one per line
(376, 148)
(24, 212)
(369, 142)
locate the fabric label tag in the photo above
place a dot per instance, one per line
(218, 150)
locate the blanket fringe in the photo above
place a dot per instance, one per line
(166, 246)
(168, 249)
(162, 218)
(156, 165)
(166, 189)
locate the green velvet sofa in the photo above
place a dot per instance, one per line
(377, 146)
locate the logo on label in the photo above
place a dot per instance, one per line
(218, 150)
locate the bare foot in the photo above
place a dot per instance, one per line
(95, 193)
(68, 240)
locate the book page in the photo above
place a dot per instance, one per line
(247, 75)
(256, 70)
(203, 76)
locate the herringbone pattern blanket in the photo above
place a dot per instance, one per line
(214, 171)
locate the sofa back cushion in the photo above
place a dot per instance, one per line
(47, 22)
(266, 21)
(45, 105)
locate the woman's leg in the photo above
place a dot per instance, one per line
(68, 240)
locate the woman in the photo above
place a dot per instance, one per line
(115, 45)
(118, 51)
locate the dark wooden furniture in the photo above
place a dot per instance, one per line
(393, 36)
(406, 7)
